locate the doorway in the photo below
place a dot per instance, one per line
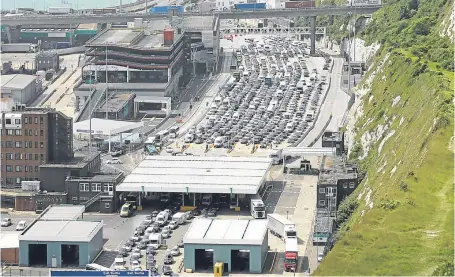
(240, 260)
(37, 255)
(70, 255)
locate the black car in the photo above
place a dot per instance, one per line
(168, 260)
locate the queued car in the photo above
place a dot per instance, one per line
(175, 251)
(6, 222)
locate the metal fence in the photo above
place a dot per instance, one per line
(8, 271)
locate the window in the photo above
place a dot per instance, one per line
(42, 157)
(351, 185)
(74, 198)
(36, 120)
(36, 132)
(18, 180)
(84, 187)
(41, 120)
(30, 156)
(9, 168)
(36, 168)
(18, 132)
(26, 144)
(36, 157)
(25, 120)
(26, 168)
(7, 120)
(9, 132)
(9, 156)
(321, 190)
(41, 144)
(9, 144)
(30, 132)
(26, 156)
(18, 156)
(17, 121)
(83, 198)
(41, 132)
(30, 168)
(108, 187)
(107, 205)
(18, 168)
(345, 186)
(36, 144)
(96, 187)
(18, 144)
(321, 202)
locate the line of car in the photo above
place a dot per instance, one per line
(6, 222)
(272, 99)
(150, 236)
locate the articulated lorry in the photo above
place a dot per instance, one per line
(291, 255)
(19, 48)
(278, 156)
(281, 226)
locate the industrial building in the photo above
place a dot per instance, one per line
(119, 107)
(46, 60)
(60, 238)
(20, 87)
(323, 228)
(240, 245)
(9, 248)
(195, 175)
(335, 183)
(30, 138)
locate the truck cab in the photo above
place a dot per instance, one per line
(257, 208)
(207, 200)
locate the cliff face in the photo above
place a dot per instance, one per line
(401, 133)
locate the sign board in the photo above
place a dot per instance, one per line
(56, 35)
(365, 2)
(95, 273)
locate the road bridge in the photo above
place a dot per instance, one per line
(125, 17)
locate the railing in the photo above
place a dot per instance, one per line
(92, 200)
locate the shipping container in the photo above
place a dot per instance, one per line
(299, 4)
(165, 9)
(59, 10)
(250, 6)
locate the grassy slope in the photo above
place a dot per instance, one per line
(416, 236)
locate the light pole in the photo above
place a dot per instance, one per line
(287, 214)
(107, 111)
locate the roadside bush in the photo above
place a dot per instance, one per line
(389, 204)
(345, 210)
(445, 269)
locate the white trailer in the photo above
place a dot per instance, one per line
(18, 48)
(59, 10)
(281, 226)
(179, 217)
(257, 207)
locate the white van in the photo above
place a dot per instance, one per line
(217, 101)
(162, 218)
(189, 138)
(179, 217)
(290, 127)
(219, 142)
(155, 241)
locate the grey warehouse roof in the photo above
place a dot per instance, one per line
(63, 212)
(64, 231)
(196, 174)
(240, 232)
(16, 81)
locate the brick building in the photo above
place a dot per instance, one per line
(31, 137)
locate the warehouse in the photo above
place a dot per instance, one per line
(20, 87)
(240, 245)
(197, 175)
(59, 238)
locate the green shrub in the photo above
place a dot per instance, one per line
(389, 204)
(445, 269)
(345, 210)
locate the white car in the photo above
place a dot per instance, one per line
(165, 234)
(135, 264)
(21, 225)
(169, 149)
(320, 257)
(114, 161)
(175, 251)
(173, 225)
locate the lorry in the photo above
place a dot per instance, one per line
(281, 226)
(250, 6)
(59, 10)
(291, 255)
(257, 207)
(155, 240)
(19, 48)
(165, 9)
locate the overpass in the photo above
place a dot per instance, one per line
(125, 17)
(308, 151)
(278, 30)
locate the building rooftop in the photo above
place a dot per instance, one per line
(332, 136)
(79, 161)
(337, 172)
(197, 23)
(105, 177)
(62, 212)
(159, 88)
(63, 230)
(213, 231)
(116, 102)
(324, 224)
(138, 38)
(198, 174)
(87, 26)
(9, 239)
(16, 81)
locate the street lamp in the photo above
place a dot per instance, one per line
(287, 214)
